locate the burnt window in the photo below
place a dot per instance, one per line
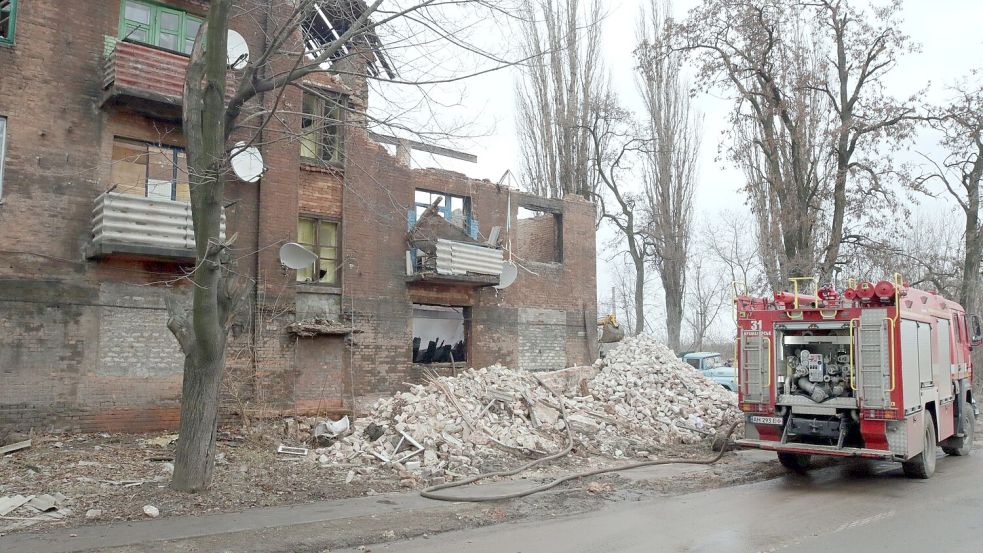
(321, 237)
(322, 129)
(440, 334)
(539, 236)
(8, 13)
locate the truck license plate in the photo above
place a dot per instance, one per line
(766, 420)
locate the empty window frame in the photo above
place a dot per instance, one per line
(320, 236)
(8, 17)
(150, 170)
(456, 209)
(440, 334)
(158, 26)
(539, 235)
(322, 129)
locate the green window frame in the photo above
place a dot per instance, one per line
(8, 20)
(322, 236)
(322, 129)
(156, 25)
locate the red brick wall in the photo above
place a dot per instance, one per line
(72, 328)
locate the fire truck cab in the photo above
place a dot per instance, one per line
(882, 371)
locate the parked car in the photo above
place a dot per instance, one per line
(713, 366)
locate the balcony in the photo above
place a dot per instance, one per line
(147, 79)
(452, 262)
(145, 227)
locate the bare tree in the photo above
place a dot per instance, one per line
(616, 144)
(706, 298)
(290, 52)
(731, 241)
(958, 176)
(558, 94)
(671, 167)
(810, 115)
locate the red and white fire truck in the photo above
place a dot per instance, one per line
(882, 371)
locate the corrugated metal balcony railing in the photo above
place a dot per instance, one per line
(456, 262)
(146, 78)
(123, 223)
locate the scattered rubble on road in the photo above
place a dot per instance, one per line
(640, 402)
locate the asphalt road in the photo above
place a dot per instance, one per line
(853, 506)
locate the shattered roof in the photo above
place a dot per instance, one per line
(331, 19)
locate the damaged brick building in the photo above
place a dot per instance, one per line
(94, 212)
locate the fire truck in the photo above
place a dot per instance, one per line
(881, 371)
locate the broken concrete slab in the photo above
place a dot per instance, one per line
(8, 504)
(10, 448)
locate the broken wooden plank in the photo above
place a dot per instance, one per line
(15, 447)
(287, 450)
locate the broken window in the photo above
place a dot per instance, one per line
(8, 12)
(539, 236)
(321, 237)
(157, 25)
(322, 129)
(150, 170)
(456, 209)
(439, 334)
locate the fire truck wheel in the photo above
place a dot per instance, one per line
(962, 446)
(795, 462)
(923, 465)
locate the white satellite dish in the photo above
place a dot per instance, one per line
(247, 163)
(295, 256)
(508, 276)
(238, 51)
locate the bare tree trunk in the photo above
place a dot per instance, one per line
(639, 262)
(204, 130)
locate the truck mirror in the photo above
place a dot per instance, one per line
(977, 330)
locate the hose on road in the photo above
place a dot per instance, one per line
(431, 492)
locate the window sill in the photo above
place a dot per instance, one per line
(330, 168)
(314, 288)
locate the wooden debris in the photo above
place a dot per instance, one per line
(15, 447)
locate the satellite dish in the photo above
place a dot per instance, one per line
(247, 163)
(238, 51)
(295, 256)
(508, 276)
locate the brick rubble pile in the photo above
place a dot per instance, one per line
(640, 395)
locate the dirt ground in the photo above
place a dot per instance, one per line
(112, 477)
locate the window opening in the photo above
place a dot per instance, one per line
(321, 128)
(455, 209)
(150, 170)
(439, 334)
(539, 235)
(8, 13)
(321, 237)
(158, 26)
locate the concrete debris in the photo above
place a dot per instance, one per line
(26, 511)
(319, 327)
(10, 448)
(151, 511)
(93, 514)
(639, 395)
(332, 429)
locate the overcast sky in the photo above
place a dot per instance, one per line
(948, 31)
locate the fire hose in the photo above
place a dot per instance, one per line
(431, 492)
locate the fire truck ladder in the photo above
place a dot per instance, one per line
(873, 364)
(756, 367)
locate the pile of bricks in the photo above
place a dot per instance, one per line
(637, 397)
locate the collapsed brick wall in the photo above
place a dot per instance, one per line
(83, 343)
